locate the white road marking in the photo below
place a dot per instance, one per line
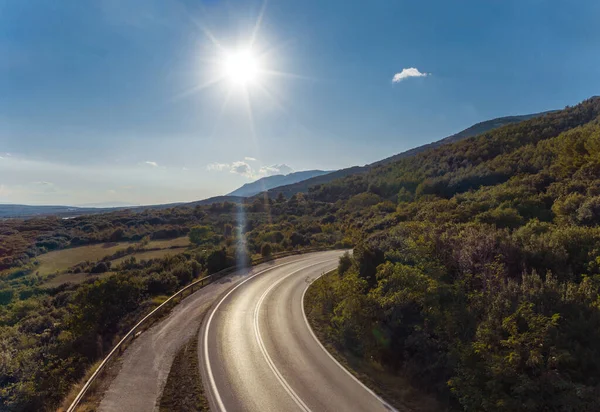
(210, 375)
(385, 404)
(261, 344)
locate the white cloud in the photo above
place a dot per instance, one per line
(153, 164)
(217, 167)
(42, 183)
(250, 159)
(406, 73)
(281, 169)
(242, 168)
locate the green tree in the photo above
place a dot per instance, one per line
(200, 234)
(266, 250)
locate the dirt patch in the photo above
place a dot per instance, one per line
(183, 390)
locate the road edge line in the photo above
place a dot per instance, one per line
(205, 327)
(288, 388)
(385, 403)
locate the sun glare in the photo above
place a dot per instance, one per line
(241, 67)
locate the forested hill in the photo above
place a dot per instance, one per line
(482, 127)
(474, 130)
(476, 270)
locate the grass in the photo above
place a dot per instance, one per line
(57, 262)
(62, 260)
(183, 390)
(394, 388)
(150, 254)
(74, 278)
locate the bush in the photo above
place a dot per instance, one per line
(266, 250)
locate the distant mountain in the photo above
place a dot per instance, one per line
(287, 184)
(269, 182)
(27, 211)
(217, 199)
(476, 129)
(108, 205)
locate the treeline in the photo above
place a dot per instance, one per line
(477, 267)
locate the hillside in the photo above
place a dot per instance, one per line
(475, 274)
(269, 182)
(474, 130)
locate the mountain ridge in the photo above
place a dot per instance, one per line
(474, 130)
(270, 182)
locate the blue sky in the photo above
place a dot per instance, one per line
(101, 101)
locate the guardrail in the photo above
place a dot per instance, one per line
(133, 333)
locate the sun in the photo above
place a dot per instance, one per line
(241, 67)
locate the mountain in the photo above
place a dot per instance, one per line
(476, 129)
(287, 184)
(270, 182)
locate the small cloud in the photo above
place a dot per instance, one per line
(42, 183)
(217, 167)
(406, 73)
(153, 164)
(250, 159)
(281, 169)
(241, 168)
(184, 168)
(112, 192)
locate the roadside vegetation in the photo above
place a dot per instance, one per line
(475, 273)
(183, 390)
(480, 283)
(108, 271)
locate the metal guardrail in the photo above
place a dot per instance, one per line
(133, 332)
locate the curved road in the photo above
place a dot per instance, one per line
(258, 352)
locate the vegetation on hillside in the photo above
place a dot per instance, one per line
(477, 267)
(50, 335)
(475, 273)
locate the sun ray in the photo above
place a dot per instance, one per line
(208, 34)
(258, 23)
(221, 111)
(274, 98)
(198, 88)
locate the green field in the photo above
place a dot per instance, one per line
(150, 254)
(57, 261)
(61, 260)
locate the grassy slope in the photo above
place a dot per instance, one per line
(61, 260)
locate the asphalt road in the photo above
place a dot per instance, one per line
(146, 362)
(258, 352)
